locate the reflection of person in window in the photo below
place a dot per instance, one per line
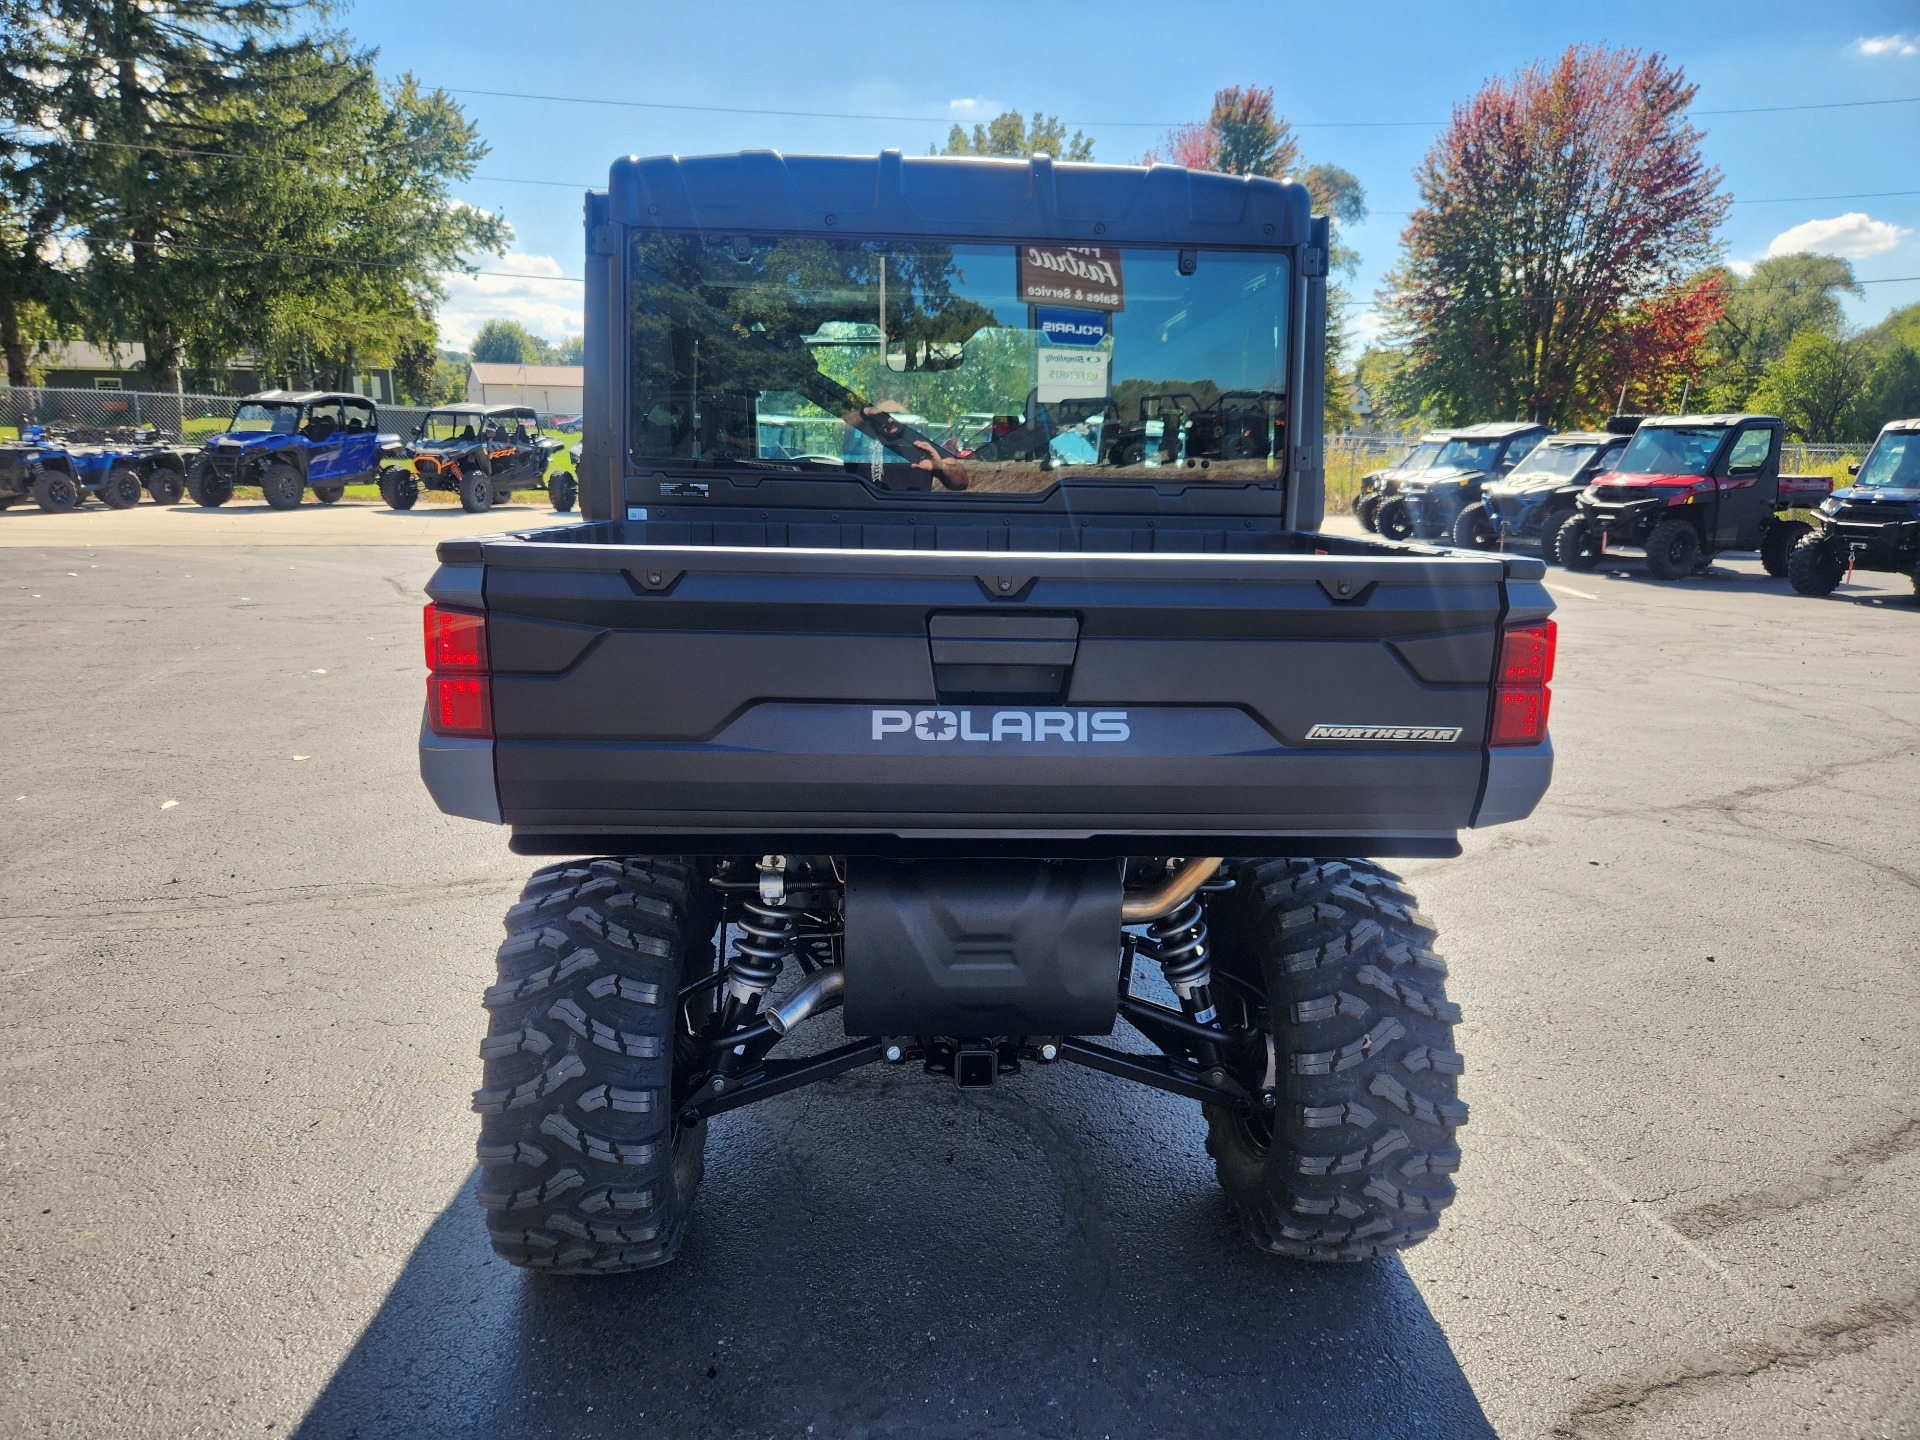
(920, 474)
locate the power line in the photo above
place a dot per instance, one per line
(1088, 124)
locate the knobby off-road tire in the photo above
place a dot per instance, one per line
(1473, 528)
(1357, 1159)
(121, 491)
(1673, 550)
(1367, 511)
(562, 491)
(1776, 546)
(282, 486)
(1576, 544)
(584, 1168)
(1816, 566)
(400, 489)
(57, 492)
(166, 486)
(1394, 519)
(329, 494)
(476, 491)
(208, 486)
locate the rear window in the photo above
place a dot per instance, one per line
(986, 368)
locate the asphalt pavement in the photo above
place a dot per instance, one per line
(241, 958)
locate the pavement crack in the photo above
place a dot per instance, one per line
(1843, 1170)
(1617, 1408)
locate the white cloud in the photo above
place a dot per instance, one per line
(1742, 268)
(1888, 45)
(550, 308)
(1853, 236)
(975, 107)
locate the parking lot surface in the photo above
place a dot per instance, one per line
(242, 957)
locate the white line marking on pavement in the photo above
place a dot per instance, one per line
(1569, 590)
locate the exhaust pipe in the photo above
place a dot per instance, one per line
(809, 999)
(1191, 875)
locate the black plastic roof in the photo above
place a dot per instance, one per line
(943, 197)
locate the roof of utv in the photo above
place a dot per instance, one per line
(1494, 430)
(302, 397)
(1901, 427)
(468, 407)
(947, 198)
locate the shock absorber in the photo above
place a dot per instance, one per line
(763, 950)
(1179, 944)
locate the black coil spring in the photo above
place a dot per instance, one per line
(759, 955)
(1180, 944)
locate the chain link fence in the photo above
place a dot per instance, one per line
(188, 418)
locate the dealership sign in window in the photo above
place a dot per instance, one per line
(1081, 275)
(1070, 374)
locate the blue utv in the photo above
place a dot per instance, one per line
(288, 442)
(38, 467)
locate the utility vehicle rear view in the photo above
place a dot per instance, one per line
(868, 705)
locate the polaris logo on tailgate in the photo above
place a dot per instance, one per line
(1418, 734)
(1076, 727)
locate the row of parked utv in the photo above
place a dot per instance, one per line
(1679, 489)
(291, 443)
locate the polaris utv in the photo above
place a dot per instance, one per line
(483, 453)
(1378, 486)
(1874, 524)
(1529, 504)
(1428, 503)
(290, 441)
(39, 467)
(986, 756)
(1688, 487)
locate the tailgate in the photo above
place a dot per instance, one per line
(708, 691)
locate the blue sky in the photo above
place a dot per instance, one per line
(1366, 84)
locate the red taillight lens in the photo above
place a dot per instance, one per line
(461, 705)
(1520, 695)
(1520, 716)
(456, 640)
(1526, 653)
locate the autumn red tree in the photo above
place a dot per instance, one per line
(1559, 250)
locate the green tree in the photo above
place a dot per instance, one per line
(1818, 385)
(1892, 391)
(507, 342)
(40, 196)
(1784, 296)
(1248, 137)
(1010, 136)
(571, 351)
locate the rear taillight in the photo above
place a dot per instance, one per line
(459, 689)
(1520, 694)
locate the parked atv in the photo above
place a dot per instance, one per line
(483, 453)
(1874, 524)
(1528, 506)
(1377, 486)
(38, 467)
(120, 464)
(1428, 503)
(288, 442)
(1688, 487)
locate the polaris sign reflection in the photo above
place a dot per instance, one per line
(1072, 327)
(999, 727)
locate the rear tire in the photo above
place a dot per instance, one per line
(562, 491)
(282, 486)
(1473, 528)
(1576, 544)
(1673, 550)
(1394, 519)
(56, 492)
(121, 491)
(476, 491)
(166, 486)
(1816, 567)
(399, 489)
(1356, 1160)
(207, 485)
(1776, 546)
(329, 494)
(1367, 511)
(584, 1166)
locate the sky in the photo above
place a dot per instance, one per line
(1366, 85)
